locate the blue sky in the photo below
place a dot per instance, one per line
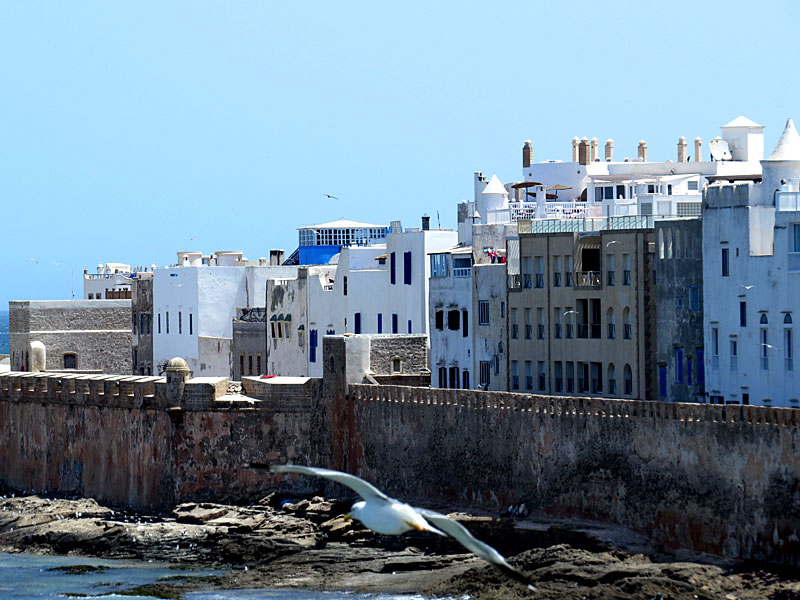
(128, 128)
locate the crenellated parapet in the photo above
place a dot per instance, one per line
(564, 406)
(200, 393)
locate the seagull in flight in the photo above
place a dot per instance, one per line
(388, 516)
(569, 312)
(747, 287)
(330, 197)
(33, 260)
(612, 242)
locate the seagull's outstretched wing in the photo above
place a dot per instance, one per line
(366, 490)
(474, 545)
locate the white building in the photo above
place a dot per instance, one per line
(377, 288)
(751, 289)
(194, 305)
(110, 282)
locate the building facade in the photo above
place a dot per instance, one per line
(751, 278)
(142, 323)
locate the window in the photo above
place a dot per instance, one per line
(701, 369)
(465, 379)
(669, 242)
(397, 365)
(694, 297)
(180, 322)
(191, 325)
(439, 320)
(392, 269)
(464, 322)
(688, 370)
(627, 327)
(528, 324)
(583, 377)
(483, 312)
(514, 324)
(595, 328)
(764, 348)
(678, 301)
(528, 375)
(557, 271)
(539, 275)
(570, 377)
(612, 379)
(258, 364)
(407, 268)
(357, 323)
(438, 265)
(610, 269)
(344, 285)
(542, 376)
(583, 318)
(557, 322)
(502, 311)
(312, 345)
(662, 382)
(159, 322)
(788, 346)
(612, 324)
(743, 314)
(485, 368)
(133, 319)
(661, 254)
(149, 322)
(558, 376)
(250, 364)
(626, 269)
(678, 365)
(527, 275)
(442, 377)
(568, 274)
(540, 324)
(734, 347)
(453, 319)
(241, 366)
(409, 326)
(141, 323)
(514, 375)
(394, 322)
(569, 324)
(597, 377)
(628, 376)
(725, 265)
(167, 322)
(795, 244)
(693, 186)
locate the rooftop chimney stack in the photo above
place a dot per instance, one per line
(527, 154)
(681, 149)
(609, 150)
(595, 144)
(583, 152)
(698, 149)
(276, 257)
(426, 222)
(642, 150)
(575, 143)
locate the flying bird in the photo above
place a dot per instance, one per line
(331, 197)
(747, 287)
(33, 260)
(388, 516)
(612, 242)
(569, 312)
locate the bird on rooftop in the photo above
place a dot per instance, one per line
(331, 197)
(388, 516)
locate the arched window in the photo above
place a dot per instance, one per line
(669, 242)
(677, 243)
(612, 324)
(628, 375)
(627, 328)
(787, 320)
(660, 243)
(612, 379)
(764, 320)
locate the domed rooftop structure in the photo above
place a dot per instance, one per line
(177, 363)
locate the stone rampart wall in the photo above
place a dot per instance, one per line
(720, 479)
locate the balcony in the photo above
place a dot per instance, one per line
(462, 272)
(788, 201)
(515, 282)
(587, 279)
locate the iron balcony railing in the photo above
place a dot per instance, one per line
(587, 279)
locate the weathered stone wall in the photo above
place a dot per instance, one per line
(97, 331)
(411, 349)
(719, 479)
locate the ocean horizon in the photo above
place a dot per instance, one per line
(4, 337)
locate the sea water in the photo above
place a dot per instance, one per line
(29, 577)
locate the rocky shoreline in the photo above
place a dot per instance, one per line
(306, 543)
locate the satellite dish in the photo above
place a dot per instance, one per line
(719, 149)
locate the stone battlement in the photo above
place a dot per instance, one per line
(579, 406)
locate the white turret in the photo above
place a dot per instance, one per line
(783, 164)
(493, 197)
(745, 139)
